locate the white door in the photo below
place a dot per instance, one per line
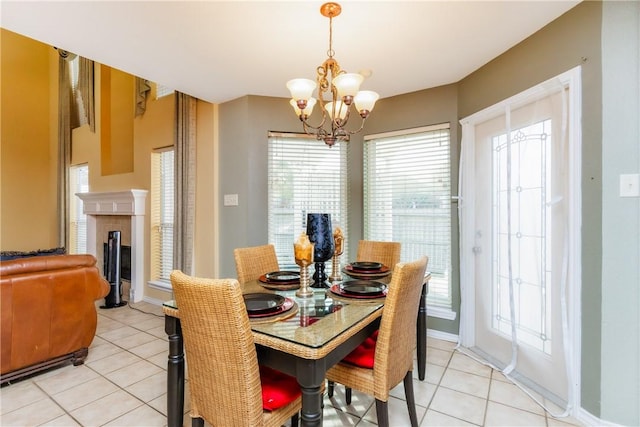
(519, 222)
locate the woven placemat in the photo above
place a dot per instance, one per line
(355, 300)
(277, 317)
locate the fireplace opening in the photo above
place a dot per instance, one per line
(117, 266)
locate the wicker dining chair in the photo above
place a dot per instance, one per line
(228, 386)
(386, 358)
(252, 262)
(388, 253)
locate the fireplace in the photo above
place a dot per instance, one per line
(123, 211)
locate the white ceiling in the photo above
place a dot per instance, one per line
(221, 50)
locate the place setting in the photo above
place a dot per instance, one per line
(268, 307)
(359, 290)
(366, 270)
(280, 280)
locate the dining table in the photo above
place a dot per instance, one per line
(319, 332)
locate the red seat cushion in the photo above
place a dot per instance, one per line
(363, 355)
(278, 389)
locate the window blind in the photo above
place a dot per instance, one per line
(407, 199)
(78, 183)
(162, 207)
(304, 176)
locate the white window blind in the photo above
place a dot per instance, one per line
(162, 208)
(305, 176)
(78, 183)
(407, 199)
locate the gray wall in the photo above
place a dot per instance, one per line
(244, 127)
(620, 216)
(571, 40)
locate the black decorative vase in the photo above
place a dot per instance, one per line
(321, 234)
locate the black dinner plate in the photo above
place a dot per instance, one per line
(337, 290)
(286, 306)
(363, 287)
(263, 303)
(283, 276)
(366, 265)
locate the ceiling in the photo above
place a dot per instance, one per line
(222, 50)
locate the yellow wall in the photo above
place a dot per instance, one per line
(207, 190)
(28, 144)
(117, 110)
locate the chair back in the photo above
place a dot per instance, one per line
(224, 377)
(252, 262)
(397, 334)
(388, 253)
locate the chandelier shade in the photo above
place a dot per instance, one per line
(347, 84)
(365, 100)
(343, 91)
(305, 111)
(301, 89)
(340, 111)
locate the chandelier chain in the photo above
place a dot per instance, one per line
(330, 52)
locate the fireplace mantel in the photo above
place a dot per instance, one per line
(129, 203)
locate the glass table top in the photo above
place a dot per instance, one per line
(318, 320)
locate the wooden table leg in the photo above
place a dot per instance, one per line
(175, 372)
(310, 375)
(422, 333)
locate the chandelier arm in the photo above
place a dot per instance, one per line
(353, 132)
(308, 126)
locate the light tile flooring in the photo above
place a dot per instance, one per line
(123, 383)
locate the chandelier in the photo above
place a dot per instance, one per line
(344, 88)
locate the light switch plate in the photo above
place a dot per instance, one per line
(231, 200)
(630, 185)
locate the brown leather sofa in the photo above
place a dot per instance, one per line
(48, 307)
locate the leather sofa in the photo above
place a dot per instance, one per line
(48, 312)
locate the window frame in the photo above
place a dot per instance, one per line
(78, 183)
(161, 247)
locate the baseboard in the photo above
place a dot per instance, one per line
(153, 301)
(445, 336)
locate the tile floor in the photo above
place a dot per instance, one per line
(123, 383)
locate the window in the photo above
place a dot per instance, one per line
(162, 91)
(407, 198)
(78, 183)
(81, 116)
(305, 176)
(162, 208)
